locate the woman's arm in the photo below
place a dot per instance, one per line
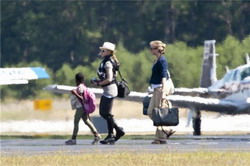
(164, 83)
(164, 68)
(164, 87)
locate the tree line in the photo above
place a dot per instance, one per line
(64, 37)
(184, 64)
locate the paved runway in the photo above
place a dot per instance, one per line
(176, 143)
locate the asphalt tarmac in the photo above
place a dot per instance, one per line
(175, 144)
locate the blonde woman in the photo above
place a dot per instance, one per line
(158, 83)
(107, 72)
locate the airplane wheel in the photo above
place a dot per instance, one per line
(197, 123)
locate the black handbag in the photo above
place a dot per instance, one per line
(123, 89)
(165, 116)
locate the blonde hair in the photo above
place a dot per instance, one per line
(114, 57)
(158, 44)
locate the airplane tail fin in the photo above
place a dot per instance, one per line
(247, 58)
(208, 75)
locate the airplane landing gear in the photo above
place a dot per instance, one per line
(197, 122)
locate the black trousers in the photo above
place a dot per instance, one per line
(105, 110)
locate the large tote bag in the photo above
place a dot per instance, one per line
(170, 85)
(165, 115)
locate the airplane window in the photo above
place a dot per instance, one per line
(245, 73)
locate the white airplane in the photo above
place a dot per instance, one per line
(230, 95)
(9, 76)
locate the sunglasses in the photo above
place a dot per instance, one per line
(153, 48)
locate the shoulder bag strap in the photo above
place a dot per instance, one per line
(120, 74)
(164, 130)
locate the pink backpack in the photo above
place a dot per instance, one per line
(90, 104)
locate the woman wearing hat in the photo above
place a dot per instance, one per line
(158, 83)
(107, 72)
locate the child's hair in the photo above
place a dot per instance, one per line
(79, 77)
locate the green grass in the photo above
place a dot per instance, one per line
(164, 158)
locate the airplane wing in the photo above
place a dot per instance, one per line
(66, 89)
(209, 104)
(133, 96)
(201, 103)
(190, 91)
(204, 92)
(10, 76)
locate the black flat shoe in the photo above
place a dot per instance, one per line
(109, 140)
(119, 134)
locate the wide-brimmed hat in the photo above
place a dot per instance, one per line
(108, 46)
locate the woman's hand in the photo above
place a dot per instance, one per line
(95, 82)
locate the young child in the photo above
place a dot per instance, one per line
(80, 113)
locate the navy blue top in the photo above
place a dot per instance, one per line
(159, 71)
